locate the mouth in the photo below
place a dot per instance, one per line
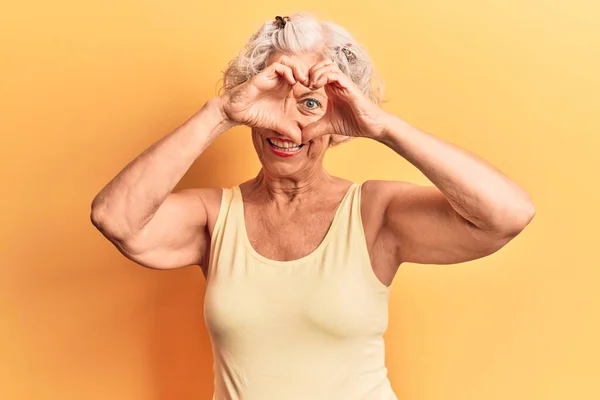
(284, 147)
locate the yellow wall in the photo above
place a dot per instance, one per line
(84, 87)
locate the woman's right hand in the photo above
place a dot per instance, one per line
(259, 102)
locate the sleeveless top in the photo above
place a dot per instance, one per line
(310, 328)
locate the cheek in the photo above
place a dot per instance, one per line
(258, 135)
(319, 146)
(257, 140)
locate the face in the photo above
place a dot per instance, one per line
(302, 107)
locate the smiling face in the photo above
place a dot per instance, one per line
(278, 154)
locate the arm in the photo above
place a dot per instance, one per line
(137, 210)
(472, 211)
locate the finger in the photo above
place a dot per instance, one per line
(285, 71)
(299, 68)
(323, 63)
(329, 77)
(318, 66)
(290, 130)
(318, 74)
(315, 129)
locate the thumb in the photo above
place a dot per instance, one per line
(292, 131)
(316, 129)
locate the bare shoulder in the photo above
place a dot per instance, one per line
(376, 196)
(383, 190)
(211, 198)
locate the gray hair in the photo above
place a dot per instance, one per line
(302, 32)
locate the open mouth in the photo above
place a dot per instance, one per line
(285, 147)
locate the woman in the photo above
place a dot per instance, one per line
(298, 262)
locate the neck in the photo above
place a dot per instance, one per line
(286, 189)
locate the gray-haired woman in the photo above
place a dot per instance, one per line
(299, 262)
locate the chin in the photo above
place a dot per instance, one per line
(284, 165)
(286, 168)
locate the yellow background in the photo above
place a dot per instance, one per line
(86, 86)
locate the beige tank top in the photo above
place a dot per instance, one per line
(306, 329)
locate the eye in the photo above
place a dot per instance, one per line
(312, 103)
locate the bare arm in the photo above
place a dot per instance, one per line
(137, 210)
(472, 212)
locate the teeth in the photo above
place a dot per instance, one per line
(288, 146)
(280, 143)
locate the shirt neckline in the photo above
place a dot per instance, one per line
(330, 232)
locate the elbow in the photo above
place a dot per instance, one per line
(522, 219)
(105, 221)
(512, 221)
(115, 229)
(97, 214)
(100, 219)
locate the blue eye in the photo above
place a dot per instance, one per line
(312, 103)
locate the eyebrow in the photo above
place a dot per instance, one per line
(310, 93)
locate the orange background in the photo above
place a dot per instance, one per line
(85, 87)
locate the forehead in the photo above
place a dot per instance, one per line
(308, 58)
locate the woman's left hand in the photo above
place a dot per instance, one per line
(349, 112)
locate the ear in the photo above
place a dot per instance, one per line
(315, 129)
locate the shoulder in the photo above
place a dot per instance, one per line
(208, 198)
(376, 197)
(378, 193)
(383, 188)
(211, 197)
